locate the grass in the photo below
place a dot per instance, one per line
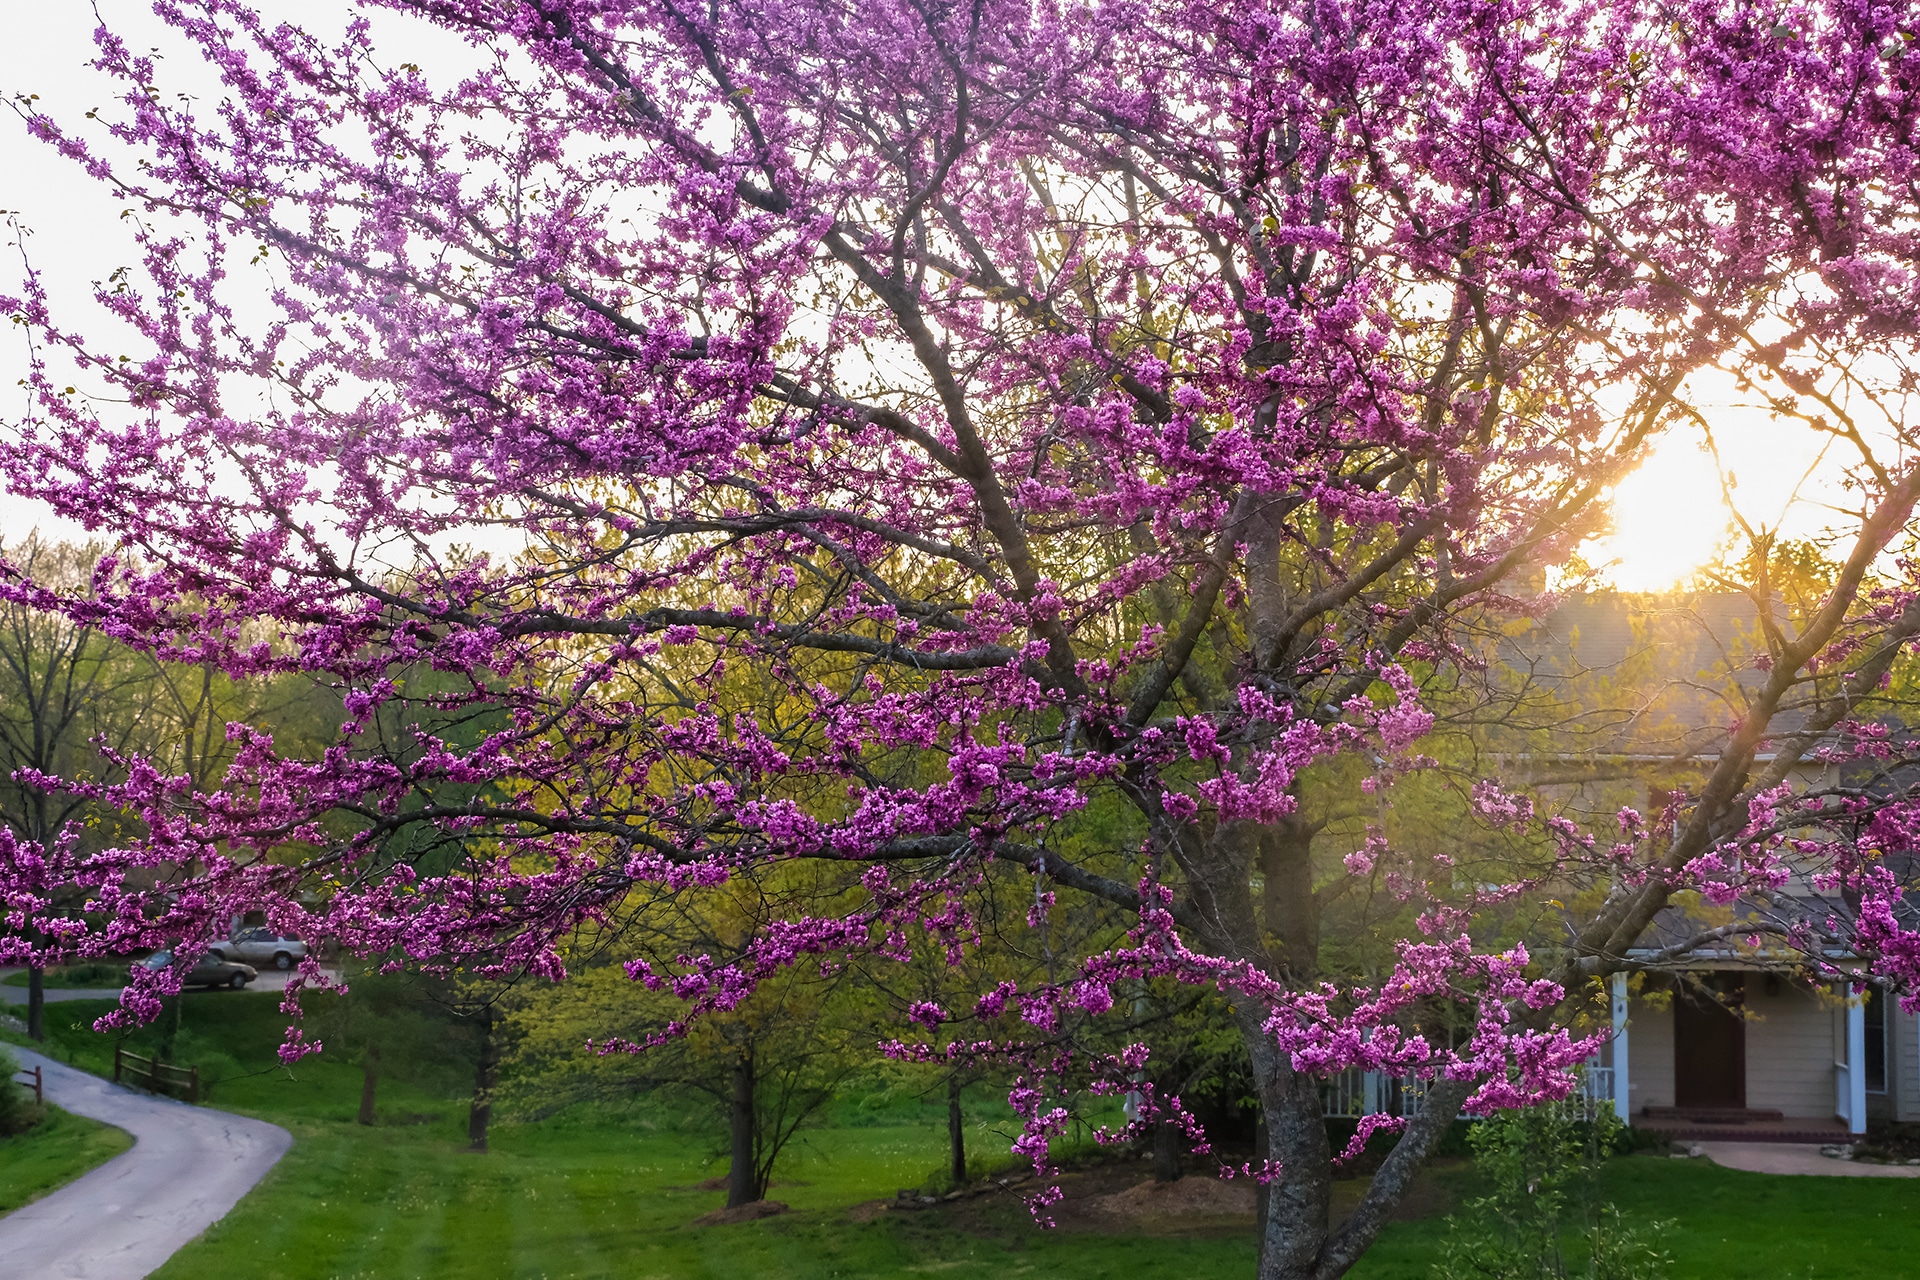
(610, 1191)
(53, 1153)
(1725, 1220)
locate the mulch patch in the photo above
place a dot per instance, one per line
(1120, 1199)
(752, 1211)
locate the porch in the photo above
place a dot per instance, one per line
(1738, 1055)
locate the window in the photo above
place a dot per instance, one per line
(1876, 1019)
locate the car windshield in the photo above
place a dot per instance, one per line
(158, 960)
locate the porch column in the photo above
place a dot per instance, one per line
(1372, 1091)
(1856, 1063)
(1622, 1090)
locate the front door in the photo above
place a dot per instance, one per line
(1710, 1044)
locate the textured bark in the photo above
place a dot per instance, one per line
(956, 1133)
(1295, 1218)
(369, 1082)
(1166, 1153)
(37, 1003)
(742, 1174)
(1287, 902)
(486, 1068)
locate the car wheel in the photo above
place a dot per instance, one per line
(237, 981)
(281, 960)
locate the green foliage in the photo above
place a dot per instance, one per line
(1540, 1219)
(18, 1112)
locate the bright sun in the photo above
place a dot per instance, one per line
(1668, 520)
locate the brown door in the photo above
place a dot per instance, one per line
(1710, 1044)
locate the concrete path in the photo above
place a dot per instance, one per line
(187, 1167)
(1793, 1158)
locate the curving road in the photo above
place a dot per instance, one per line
(187, 1167)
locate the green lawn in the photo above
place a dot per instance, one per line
(53, 1153)
(610, 1193)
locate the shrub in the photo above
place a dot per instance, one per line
(18, 1112)
(1539, 1219)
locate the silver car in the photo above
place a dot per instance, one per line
(261, 947)
(208, 971)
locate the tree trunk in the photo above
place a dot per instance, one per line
(1166, 1152)
(956, 1133)
(173, 1025)
(37, 1003)
(1291, 915)
(369, 1081)
(486, 1067)
(741, 1174)
(1260, 1203)
(1293, 1217)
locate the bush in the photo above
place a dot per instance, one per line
(1539, 1219)
(18, 1112)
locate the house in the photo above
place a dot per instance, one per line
(1726, 1041)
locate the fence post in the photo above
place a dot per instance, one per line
(39, 1086)
(116, 1064)
(193, 1086)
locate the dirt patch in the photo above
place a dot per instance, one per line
(1118, 1200)
(1187, 1199)
(712, 1184)
(867, 1211)
(752, 1211)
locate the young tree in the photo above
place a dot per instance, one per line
(1088, 426)
(768, 1066)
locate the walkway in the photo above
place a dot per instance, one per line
(187, 1167)
(1785, 1157)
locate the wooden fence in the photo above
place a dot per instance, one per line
(39, 1083)
(154, 1075)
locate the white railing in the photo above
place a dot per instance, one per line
(1596, 1090)
(1345, 1094)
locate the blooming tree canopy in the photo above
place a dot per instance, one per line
(900, 434)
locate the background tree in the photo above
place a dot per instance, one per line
(1082, 427)
(765, 1069)
(70, 700)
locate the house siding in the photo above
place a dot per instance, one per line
(1649, 1055)
(1790, 1049)
(1903, 1065)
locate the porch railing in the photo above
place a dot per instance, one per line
(1357, 1093)
(1345, 1094)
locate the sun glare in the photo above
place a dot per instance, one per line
(1668, 520)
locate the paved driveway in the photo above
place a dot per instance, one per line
(187, 1167)
(269, 980)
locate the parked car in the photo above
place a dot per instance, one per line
(207, 971)
(261, 947)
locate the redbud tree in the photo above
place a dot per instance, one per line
(953, 440)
